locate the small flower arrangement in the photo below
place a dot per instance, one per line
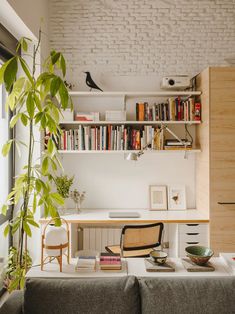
(78, 198)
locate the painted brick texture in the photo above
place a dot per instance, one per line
(142, 37)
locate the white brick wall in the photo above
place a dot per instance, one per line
(142, 37)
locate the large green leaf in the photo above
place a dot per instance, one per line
(24, 119)
(2, 70)
(6, 230)
(57, 198)
(26, 70)
(27, 229)
(4, 209)
(55, 85)
(55, 57)
(45, 165)
(6, 148)
(10, 73)
(63, 65)
(64, 96)
(33, 223)
(14, 119)
(18, 86)
(50, 146)
(37, 102)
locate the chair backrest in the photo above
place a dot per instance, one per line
(138, 237)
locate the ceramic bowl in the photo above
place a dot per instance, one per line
(200, 255)
(159, 257)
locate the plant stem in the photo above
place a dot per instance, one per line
(29, 172)
(27, 192)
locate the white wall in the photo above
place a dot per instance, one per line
(124, 43)
(112, 182)
(130, 45)
(34, 13)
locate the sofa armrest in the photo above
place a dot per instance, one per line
(13, 304)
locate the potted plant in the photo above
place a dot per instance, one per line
(34, 102)
(63, 185)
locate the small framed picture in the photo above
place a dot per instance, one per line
(177, 197)
(158, 197)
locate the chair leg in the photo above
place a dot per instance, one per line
(42, 255)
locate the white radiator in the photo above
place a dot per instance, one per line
(98, 238)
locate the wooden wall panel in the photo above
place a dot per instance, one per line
(222, 159)
(202, 139)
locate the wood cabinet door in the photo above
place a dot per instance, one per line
(222, 159)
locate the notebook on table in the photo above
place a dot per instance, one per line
(124, 215)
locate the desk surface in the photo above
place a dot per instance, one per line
(51, 270)
(101, 216)
(134, 266)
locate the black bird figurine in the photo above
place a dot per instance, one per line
(90, 83)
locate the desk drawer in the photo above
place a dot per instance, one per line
(193, 237)
(183, 245)
(193, 228)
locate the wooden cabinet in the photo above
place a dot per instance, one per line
(217, 133)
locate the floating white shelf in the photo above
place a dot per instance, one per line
(177, 151)
(127, 122)
(136, 94)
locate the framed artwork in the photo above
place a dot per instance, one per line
(177, 197)
(158, 197)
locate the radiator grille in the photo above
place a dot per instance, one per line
(98, 238)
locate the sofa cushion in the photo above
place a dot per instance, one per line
(187, 295)
(68, 296)
(13, 304)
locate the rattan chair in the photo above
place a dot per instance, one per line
(138, 240)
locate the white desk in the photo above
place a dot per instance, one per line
(101, 216)
(134, 266)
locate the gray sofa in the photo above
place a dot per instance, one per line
(126, 295)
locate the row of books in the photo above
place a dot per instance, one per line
(175, 109)
(107, 261)
(111, 138)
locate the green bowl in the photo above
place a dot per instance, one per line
(200, 255)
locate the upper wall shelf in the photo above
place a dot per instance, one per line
(136, 94)
(165, 122)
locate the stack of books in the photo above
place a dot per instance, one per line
(174, 144)
(110, 261)
(175, 109)
(86, 263)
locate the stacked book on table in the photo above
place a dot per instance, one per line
(110, 261)
(86, 263)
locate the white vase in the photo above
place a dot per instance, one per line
(55, 236)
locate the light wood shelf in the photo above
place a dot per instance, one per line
(173, 151)
(135, 94)
(127, 122)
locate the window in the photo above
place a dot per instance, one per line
(7, 42)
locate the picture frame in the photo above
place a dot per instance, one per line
(177, 197)
(158, 197)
